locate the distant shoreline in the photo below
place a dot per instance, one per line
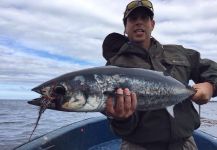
(14, 99)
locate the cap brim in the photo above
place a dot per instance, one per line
(150, 12)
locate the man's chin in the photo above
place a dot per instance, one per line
(139, 40)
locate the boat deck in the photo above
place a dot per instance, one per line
(95, 134)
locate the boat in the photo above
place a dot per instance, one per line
(95, 134)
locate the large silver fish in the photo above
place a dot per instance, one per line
(87, 90)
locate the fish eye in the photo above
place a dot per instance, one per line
(60, 90)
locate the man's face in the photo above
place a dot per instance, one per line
(139, 26)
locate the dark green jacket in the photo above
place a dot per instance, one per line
(182, 64)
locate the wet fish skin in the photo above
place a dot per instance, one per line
(87, 90)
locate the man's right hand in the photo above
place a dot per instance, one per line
(123, 106)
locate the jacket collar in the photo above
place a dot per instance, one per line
(155, 50)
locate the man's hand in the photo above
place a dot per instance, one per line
(123, 106)
(204, 92)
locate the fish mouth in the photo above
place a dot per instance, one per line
(39, 102)
(55, 104)
(36, 102)
(51, 97)
(37, 90)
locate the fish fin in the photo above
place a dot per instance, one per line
(166, 73)
(170, 110)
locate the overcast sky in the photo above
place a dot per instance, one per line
(42, 39)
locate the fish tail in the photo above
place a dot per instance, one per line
(191, 89)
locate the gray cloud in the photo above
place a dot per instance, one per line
(60, 29)
(76, 29)
(21, 67)
(189, 23)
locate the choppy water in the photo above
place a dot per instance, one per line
(17, 120)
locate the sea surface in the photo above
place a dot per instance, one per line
(17, 120)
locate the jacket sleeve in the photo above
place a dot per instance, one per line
(208, 73)
(203, 70)
(125, 127)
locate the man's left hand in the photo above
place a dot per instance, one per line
(204, 92)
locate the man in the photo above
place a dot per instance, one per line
(155, 130)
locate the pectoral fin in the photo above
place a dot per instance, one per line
(109, 93)
(170, 110)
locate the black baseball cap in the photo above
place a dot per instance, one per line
(138, 3)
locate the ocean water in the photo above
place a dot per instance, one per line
(17, 120)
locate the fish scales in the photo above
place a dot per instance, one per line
(151, 94)
(87, 90)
